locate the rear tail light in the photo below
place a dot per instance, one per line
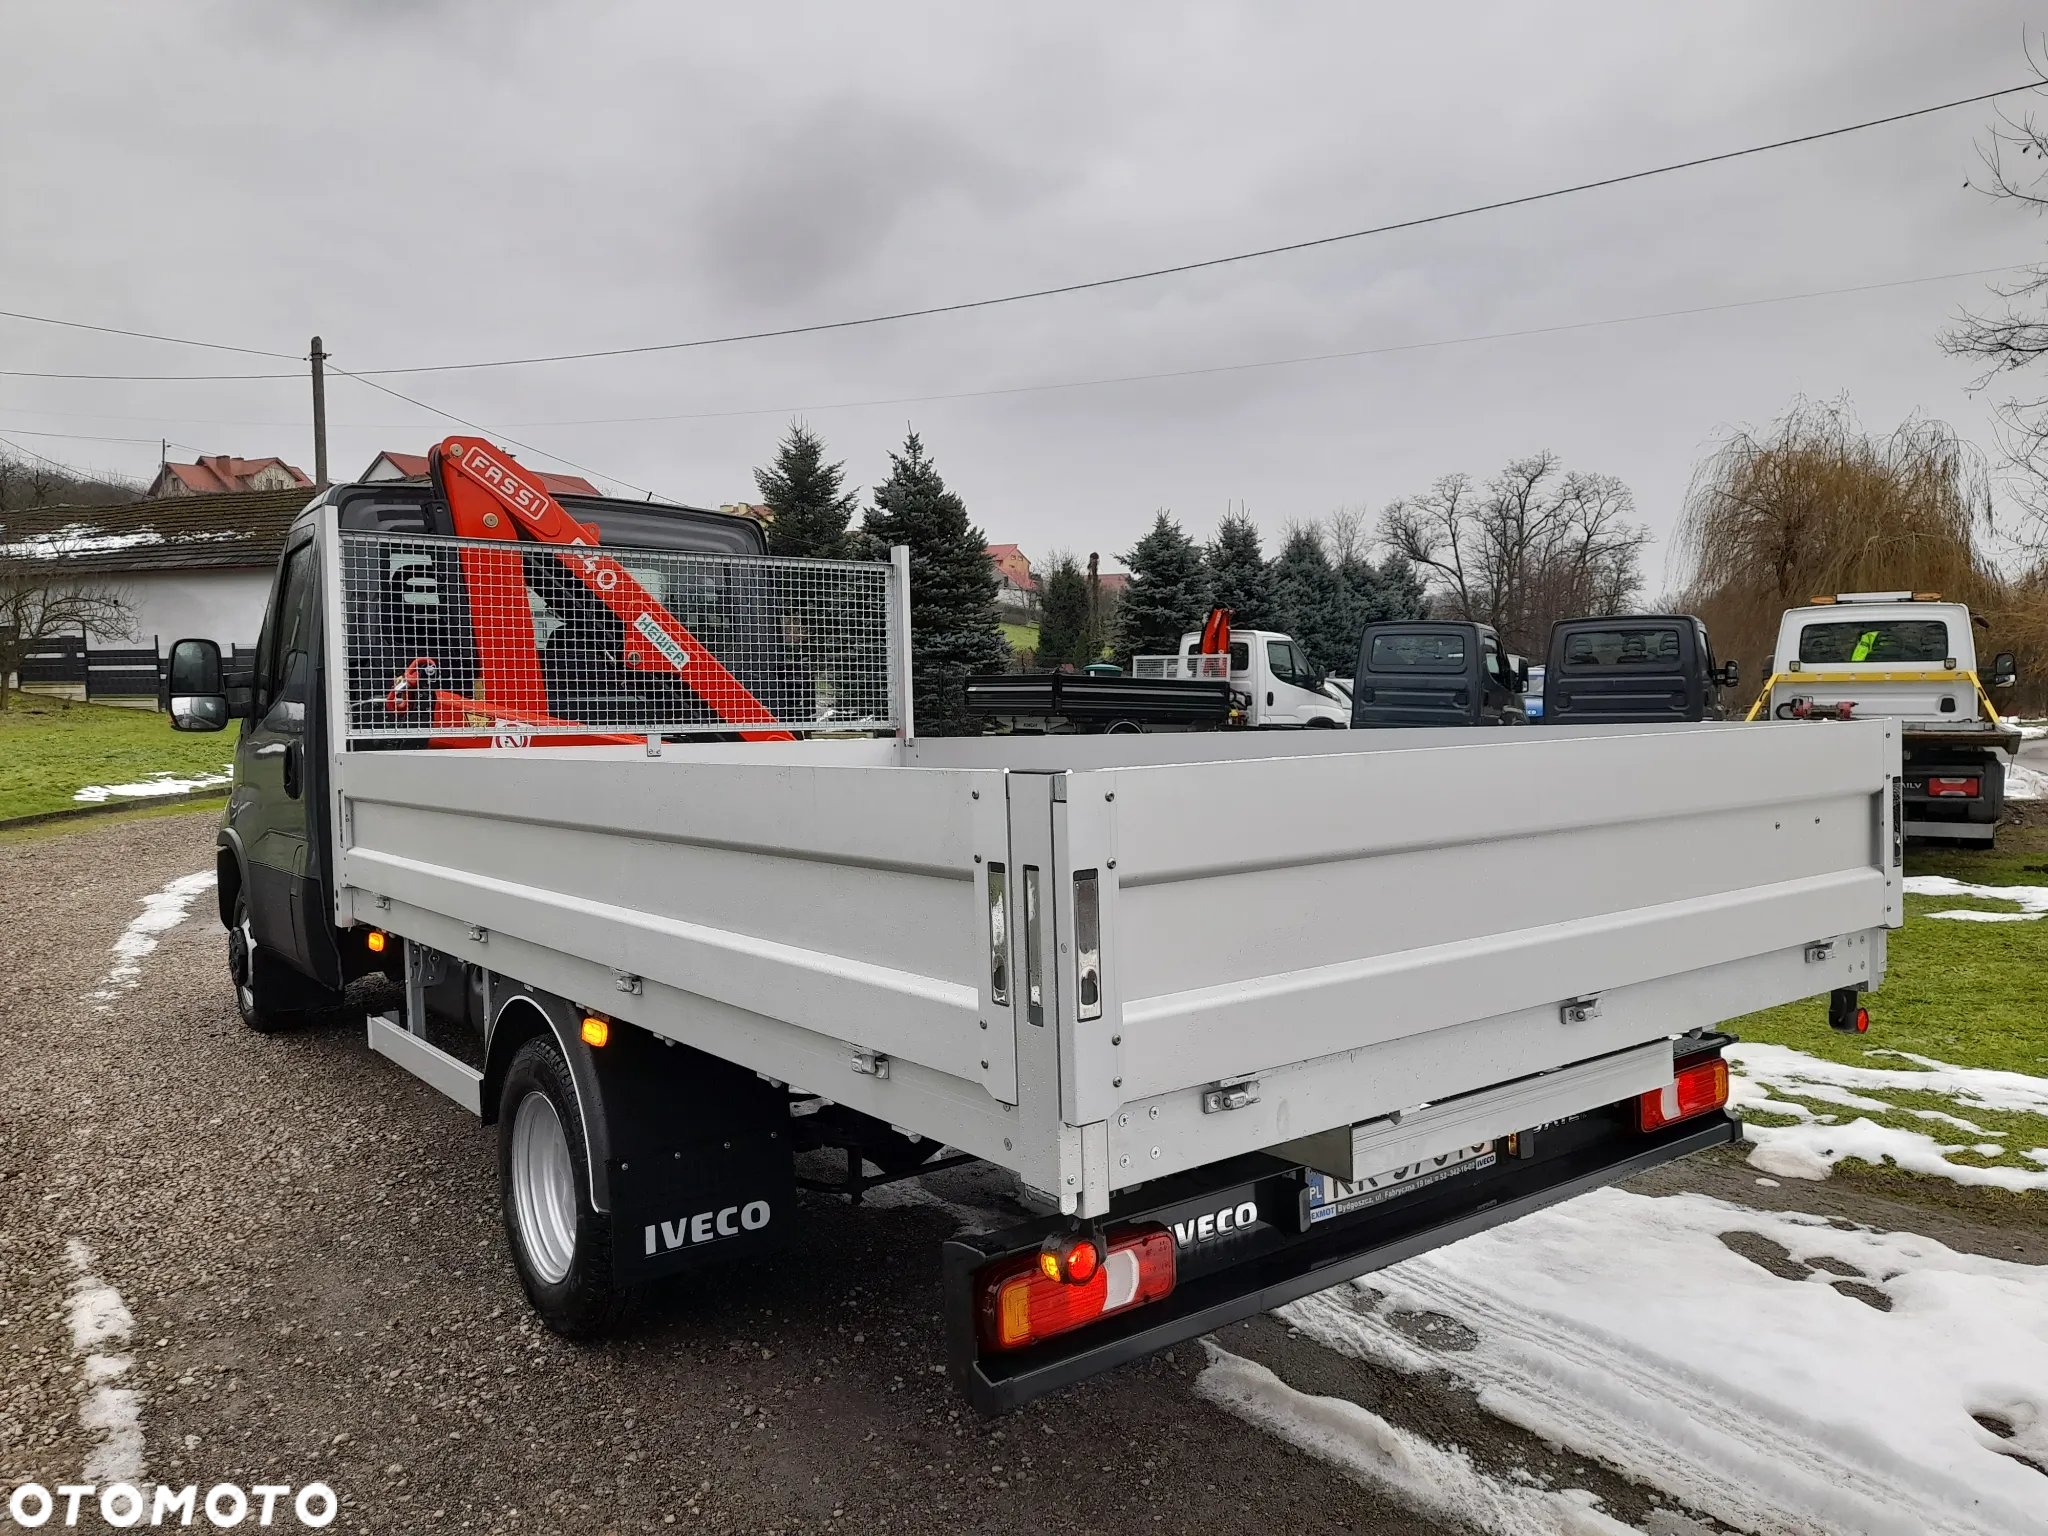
(1021, 1301)
(1694, 1091)
(1957, 789)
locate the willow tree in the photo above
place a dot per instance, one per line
(1813, 505)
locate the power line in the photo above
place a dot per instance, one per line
(464, 421)
(1284, 362)
(144, 378)
(114, 330)
(1524, 200)
(1087, 383)
(1219, 261)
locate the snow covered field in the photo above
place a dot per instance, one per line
(1769, 1369)
(1782, 1373)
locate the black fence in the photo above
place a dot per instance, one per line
(125, 672)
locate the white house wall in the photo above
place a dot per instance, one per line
(225, 606)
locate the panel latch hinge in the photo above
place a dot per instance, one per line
(1578, 1010)
(871, 1064)
(1227, 1096)
(627, 982)
(1819, 950)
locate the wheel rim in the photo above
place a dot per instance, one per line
(543, 1188)
(241, 962)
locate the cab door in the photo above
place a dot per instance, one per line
(270, 811)
(1287, 698)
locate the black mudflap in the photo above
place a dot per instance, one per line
(700, 1162)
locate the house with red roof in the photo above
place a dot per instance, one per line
(222, 473)
(1017, 597)
(413, 466)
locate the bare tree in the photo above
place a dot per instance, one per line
(39, 604)
(1535, 544)
(1814, 505)
(2012, 336)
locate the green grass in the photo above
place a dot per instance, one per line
(50, 749)
(1974, 994)
(1022, 637)
(1970, 994)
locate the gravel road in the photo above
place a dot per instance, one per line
(308, 1243)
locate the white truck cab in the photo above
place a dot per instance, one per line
(1909, 657)
(1281, 685)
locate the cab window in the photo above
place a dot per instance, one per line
(1440, 652)
(285, 665)
(1895, 640)
(1622, 646)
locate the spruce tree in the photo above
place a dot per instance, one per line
(1167, 595)
(811, 510)
(1062, 612)
(1309, 600)
(1239, 578)
(954, 631)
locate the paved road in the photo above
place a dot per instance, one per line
(308, 1243)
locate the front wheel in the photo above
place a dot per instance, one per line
(253, 999)
(561, 1246)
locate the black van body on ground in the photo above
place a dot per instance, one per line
(1641, 668)
(1435, 672)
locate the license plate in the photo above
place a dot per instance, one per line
(1328, 1197)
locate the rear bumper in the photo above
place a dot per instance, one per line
(1300, 1264)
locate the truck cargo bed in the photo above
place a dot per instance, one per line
(1288, 934)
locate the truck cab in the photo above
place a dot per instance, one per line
(1280, 685)
(1435, 672)
(1909, 657)
(1649, 668)
(275, 890)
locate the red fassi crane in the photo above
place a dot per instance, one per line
(490, 497)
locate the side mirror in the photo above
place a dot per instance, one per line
(2004, 670)
(199, 699)
(1731, 674)
(1521, 677)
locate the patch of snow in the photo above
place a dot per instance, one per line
(161, 911)
(1810, 1149)
(2030, 730)
(76, 539)
(2024, 783)
(99, 1317)
(162, 782)
(2032, 900)
(1779, 1066)
(1434, 1478)
(1622, 1326)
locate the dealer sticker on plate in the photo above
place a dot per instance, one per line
(1329, 1197)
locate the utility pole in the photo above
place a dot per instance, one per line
(319, 416)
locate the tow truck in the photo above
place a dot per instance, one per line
(636, 826)
(1909, 657)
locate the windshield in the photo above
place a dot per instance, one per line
(1622, 648)
(1443, 651)
(1911, 640)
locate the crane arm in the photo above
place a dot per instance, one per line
(490, 497)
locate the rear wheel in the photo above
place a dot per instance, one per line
(561, 1246)
(252, 999)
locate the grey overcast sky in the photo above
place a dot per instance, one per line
(429, 183)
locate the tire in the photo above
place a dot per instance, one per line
(252, 998)
(560, 1245)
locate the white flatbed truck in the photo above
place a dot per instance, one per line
(1246, 1014)
(1911, 658)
